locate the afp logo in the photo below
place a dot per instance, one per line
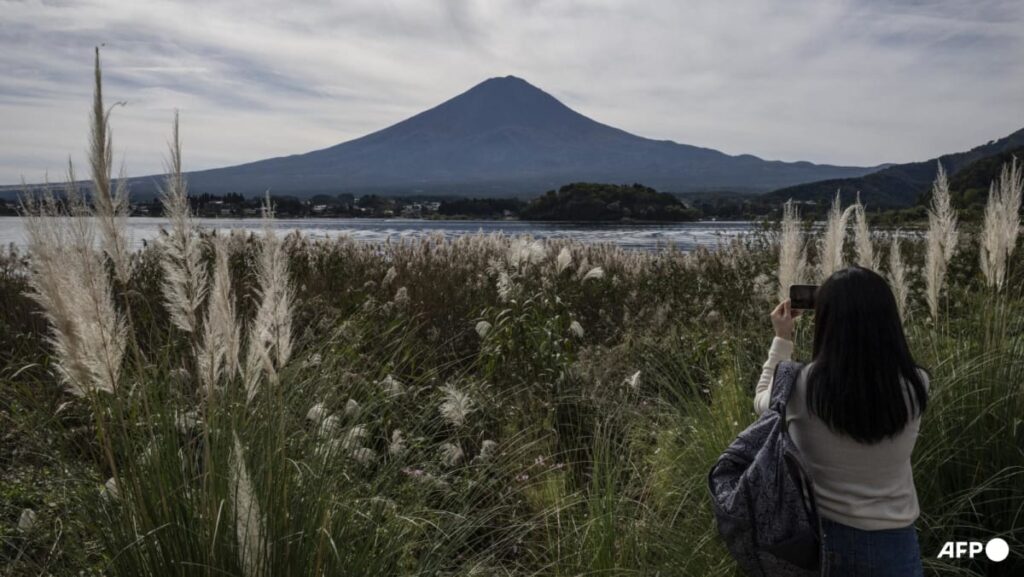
(996, 549)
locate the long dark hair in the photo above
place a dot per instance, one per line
(864, 383)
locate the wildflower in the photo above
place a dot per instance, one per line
(482, 328)
(457, 405)
(576, 329)
(564, 260)
(595, 273)
(451, 454)
(27, 521)
(792, 250)
(942, 239)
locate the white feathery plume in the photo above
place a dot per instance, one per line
(110, 201)
(352, 409)
(451, 454)
(505, 286)
(866, 256)
(397, 447)
(248, 517)
(70, 282)
(364, 455)
(353, 438)
(830, 246)
(457, 405)
(110, 490)
(482, 328)
(576, 329)
(564, 260)
(27, 521)
(218, 354)
(792, 250)
(270, 337)
(898, 276)
(317, 413)
(595, 273)
(184, 285)
(942, 240)
(487, 450)
(392, 387)
(1002, 224)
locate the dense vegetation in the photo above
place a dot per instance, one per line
(231, 404)
(483, 405)
(584, 201)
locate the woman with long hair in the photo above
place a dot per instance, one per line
(854, 415)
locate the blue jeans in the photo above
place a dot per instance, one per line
(851, 552)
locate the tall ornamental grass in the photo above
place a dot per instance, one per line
(942, 241)
(486, 405)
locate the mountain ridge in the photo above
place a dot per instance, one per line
(898, 185)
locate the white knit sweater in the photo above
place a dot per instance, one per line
(869, 487)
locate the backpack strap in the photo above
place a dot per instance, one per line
(783, 383)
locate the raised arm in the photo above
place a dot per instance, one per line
(783, 319)
(781, 350)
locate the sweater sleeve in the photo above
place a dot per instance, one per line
(781, 350)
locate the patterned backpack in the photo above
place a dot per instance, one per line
(763, 498)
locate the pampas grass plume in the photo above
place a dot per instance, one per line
(792, 250)
(898, 276)
(830, 246)
(941, 242)
(184, 284)
(1002, 224)
(866, 256)
(110, 201)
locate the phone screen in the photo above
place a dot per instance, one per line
(801, 296)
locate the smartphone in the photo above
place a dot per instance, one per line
(801, 296)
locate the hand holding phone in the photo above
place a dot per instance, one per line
(784, 320)
(801, 296)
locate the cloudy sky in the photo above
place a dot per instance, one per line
(840, 81)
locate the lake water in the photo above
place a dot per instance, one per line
(685, 236)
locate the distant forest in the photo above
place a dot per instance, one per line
(592, 202)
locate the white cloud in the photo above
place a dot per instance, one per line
(846, 82)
